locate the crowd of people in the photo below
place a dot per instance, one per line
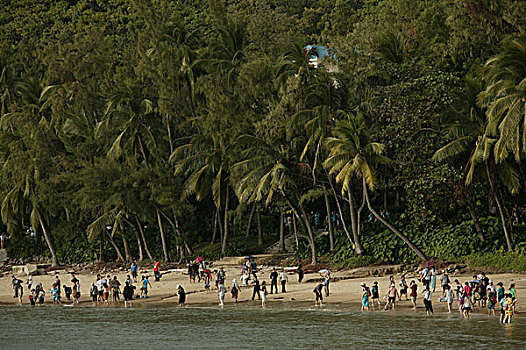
(476, 294)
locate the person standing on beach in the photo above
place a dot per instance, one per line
(284, 279)
(433, 279)
(256, 289)
(57, 282)
(326, 281)
(319, 294)
(54, 294)
(133, 271)
(16, 284)
(94, 292)
(181, 294)
(466, 305)
(144, 286)
(428, 295)
(414, 292)
(263, 294)
(508, 308)
(365, 297)
(449, 297)
(459, 291)
(273, 281)
(234, 290)
(403, 288)
(425, 277)
(221, 276)
(492, 298)
(300, 273)
(222, 293)
(116, 287)
(444, 281)
(127, 293)
(156, 272)
(392, 295)
(375, 295)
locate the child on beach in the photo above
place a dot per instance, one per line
(492, 299)
(365, 297)
(467, 305)
(144, 286)
(414, 288)
(513, 294)
(263, 294)
(508, 308)
(428, 303)
(319, 295)
(234, 290)
(375, 295)
(39, 291)
(392, 295)
(54, 294)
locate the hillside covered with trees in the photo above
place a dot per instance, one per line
(153, 128)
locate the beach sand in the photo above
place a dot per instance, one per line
(345, 291)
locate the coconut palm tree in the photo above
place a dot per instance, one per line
(466, 125)
(354, 153)
(267, 168)
(505, 99)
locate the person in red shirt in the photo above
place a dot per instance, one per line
(413, 287)
(156, 272)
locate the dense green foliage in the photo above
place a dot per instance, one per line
(142, 129)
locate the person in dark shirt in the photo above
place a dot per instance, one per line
(182, 295)
(319, 295)
(256, 288)
(273, 281)
(300, 273)
(128, 294)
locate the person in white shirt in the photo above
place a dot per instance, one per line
(427, 301)
(283, 278)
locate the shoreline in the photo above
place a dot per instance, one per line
(345, 291)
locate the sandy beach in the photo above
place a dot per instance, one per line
(345, 290)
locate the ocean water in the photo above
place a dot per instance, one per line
(304, 327)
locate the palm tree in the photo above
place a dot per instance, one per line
(204, 162)
(267, 168)
(466, 124)
(353, 153)
(131, 115)
(505, 99)
(392, 47)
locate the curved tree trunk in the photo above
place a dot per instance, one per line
(250, 218)
(358, 248)
(475, 221)
(101, 247)
(305, 224)
(139, 224)
(340, 211)
(163, 238)
(403, 237)
(127, 252)
(47, 236)
(115, 246)
(501, 211)
(214, 227)
(329, 221)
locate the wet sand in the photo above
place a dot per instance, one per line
(345, 293)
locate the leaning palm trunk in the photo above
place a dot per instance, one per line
(329, 221)
(250, 218)
(139, 224)
(340, 211)
(499, 206)
(127, 252)
(304, 223)
(54, 260)
(475, 222)
(163, 238)
(403, 237)
(116, 247)
(358, 248)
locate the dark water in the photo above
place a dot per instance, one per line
(60, 327)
